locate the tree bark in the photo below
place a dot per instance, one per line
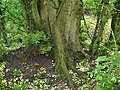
(62, 20)
(65, 35)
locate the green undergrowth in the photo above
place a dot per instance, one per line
(38, 39)
(105, 75)
(18, 82)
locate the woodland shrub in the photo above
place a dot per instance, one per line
(106, 74)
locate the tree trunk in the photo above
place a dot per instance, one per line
(29, 7)
(65, 36)
(27, 12)
(115, 24)
(2, 26)
(62, 19)
(102, 18)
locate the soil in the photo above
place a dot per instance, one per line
(31, 67)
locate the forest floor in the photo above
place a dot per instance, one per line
(32, 67)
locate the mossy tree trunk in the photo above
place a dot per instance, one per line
(62, 20)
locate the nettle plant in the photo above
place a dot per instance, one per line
(106, 75)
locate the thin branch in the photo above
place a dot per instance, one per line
(116, 9)
(58, 12)
(114, 39)
(86, 27)
(60, 8)
(55, 6)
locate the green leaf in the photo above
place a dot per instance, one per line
(101, 58)
(97, 88)
(99, 78)
(117, 53)
(114, 79)
(2, 66)
(83, 87)
(24, 87)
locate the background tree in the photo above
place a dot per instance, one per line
(2, 26)
(115, 24)
(103, 14)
